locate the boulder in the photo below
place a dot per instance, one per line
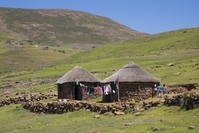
(97, 116)
(191, 127)
(108, 114)
(171, 64)
(138, 113)
(119, 113)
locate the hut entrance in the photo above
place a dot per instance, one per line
(106, 98)
(78, 93)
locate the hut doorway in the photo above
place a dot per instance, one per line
(106, 98)
(78, 92)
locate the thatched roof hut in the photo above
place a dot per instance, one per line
(78, 74)
(131, 73)
(68, 87)
(134, 82)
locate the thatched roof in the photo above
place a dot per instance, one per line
(131, 73)
(78, 74)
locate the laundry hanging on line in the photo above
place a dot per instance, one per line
(105, 89)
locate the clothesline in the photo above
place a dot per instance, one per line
(105, 89)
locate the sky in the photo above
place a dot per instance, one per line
(149, 16)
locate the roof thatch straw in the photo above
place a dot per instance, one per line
(78, 74)
(131, 73)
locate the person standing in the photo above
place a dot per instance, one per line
(164, 88)
(159, 90)
(154, 93)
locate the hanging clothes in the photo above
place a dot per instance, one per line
(101, 92)
(88, 90)
(103, 87)
(108, 89)
(98, 90)
(85, 88)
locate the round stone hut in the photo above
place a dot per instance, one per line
(133, 83)
(69, 85)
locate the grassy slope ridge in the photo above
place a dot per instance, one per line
(29, 56)
(153, 45)
(153, 53)
(56, 27)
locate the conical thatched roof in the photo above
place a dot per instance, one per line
(78, 74)
(131, 73)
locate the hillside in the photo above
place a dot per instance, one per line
(61, 27)
(26, 68)
(24, 55)
(31, 66)
(154, 53)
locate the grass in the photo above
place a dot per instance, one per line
(37, 70)
(170, 42)
(153, 53)
(170, 119)
(17, 59)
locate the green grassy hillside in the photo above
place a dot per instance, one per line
(153, 45)
(29, 62)
(153, 53)
(21, 55)
(30, 67)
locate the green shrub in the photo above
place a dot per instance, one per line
(127, 110)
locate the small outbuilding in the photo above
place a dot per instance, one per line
(69, 84)
(133, 83)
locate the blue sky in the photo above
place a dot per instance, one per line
(149, 16)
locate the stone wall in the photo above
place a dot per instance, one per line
(135, 91)
(70, 106)
(65, 90)
(184, 100)
(63, 107)
(176, 89)
(188, 100)
(26, 98)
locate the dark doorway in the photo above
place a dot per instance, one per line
(78, 92)
(107, 98)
